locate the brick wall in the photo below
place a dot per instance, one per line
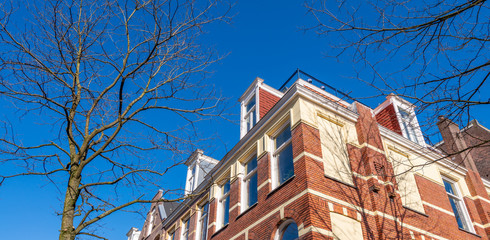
(479, 137)
(387, 118)
(310, 196)
(267, 100)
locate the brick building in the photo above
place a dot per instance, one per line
(310, 165)
(476, 138)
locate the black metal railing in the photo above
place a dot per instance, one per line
(307, 77)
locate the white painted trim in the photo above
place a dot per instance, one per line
(333, 199)
(478, 197)
(375, 213)
(438, 208)
(235, 206)
(466, 216)
(264, 184)
(257, 82)
(322, 231)
(272, 90)
(335, 98)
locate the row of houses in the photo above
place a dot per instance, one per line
(310, 165)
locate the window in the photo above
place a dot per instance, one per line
(151, 226)
(191, 179)
(287, 231)
(250, 116)
(171, 235)
(459, 209)
(250, 184)
(203, 222)
(283, 157)
(224, 203)
(185, 228)
(407, 126)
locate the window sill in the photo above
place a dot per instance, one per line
(416, 211)
(246, 211)
(280, 186)
(220, 230)
(339, 181)
(466, 231)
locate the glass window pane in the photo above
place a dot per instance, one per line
(251, 104)
(251, 165)
(404, 114)
(291, 232)
(204, 229)
(456, 213)
(285, 162)
(252, 190)
(449, 187)
(226, 187)
(226, 210)
(284, 136)
(204, 221)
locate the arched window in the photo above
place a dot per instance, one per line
(287, 231)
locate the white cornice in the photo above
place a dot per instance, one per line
(272, 90)
(257, 82)
(416, 148)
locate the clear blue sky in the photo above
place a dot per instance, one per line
(264, 40)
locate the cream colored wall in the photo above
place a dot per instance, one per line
(429, 166)
(345, 228)
(335, 132)
(407, 187)
(334, 149)
(308, 112)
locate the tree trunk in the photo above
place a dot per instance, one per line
(67, 229)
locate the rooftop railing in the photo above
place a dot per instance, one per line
(307, 77)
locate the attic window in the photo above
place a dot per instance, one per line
(407, 125)
(250, 117)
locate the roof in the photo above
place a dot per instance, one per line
(166, 208)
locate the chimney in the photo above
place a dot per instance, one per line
(455, 144)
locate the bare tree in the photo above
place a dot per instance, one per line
(101, 75)
(434, 53)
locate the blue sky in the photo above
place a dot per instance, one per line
(264, 40)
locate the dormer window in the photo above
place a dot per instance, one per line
(250, 117)
(398, 115)
(255, 102)
(407, 126)
(191, 179)
(198, 166)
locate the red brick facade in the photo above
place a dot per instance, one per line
(387, 118)
(310, 197)
(267, 100)
(477, 138)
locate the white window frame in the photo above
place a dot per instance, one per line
(246, 114)
(407, 127)
(200, 231)
(276, 150)
(400, 104)
(246, 183)
(171, 234)
(185, 228)
(221, 205)
(191, 178)
(280, 230)
(464, 215)
(150, 222)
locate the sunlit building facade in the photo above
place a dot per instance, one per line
(312, 165)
